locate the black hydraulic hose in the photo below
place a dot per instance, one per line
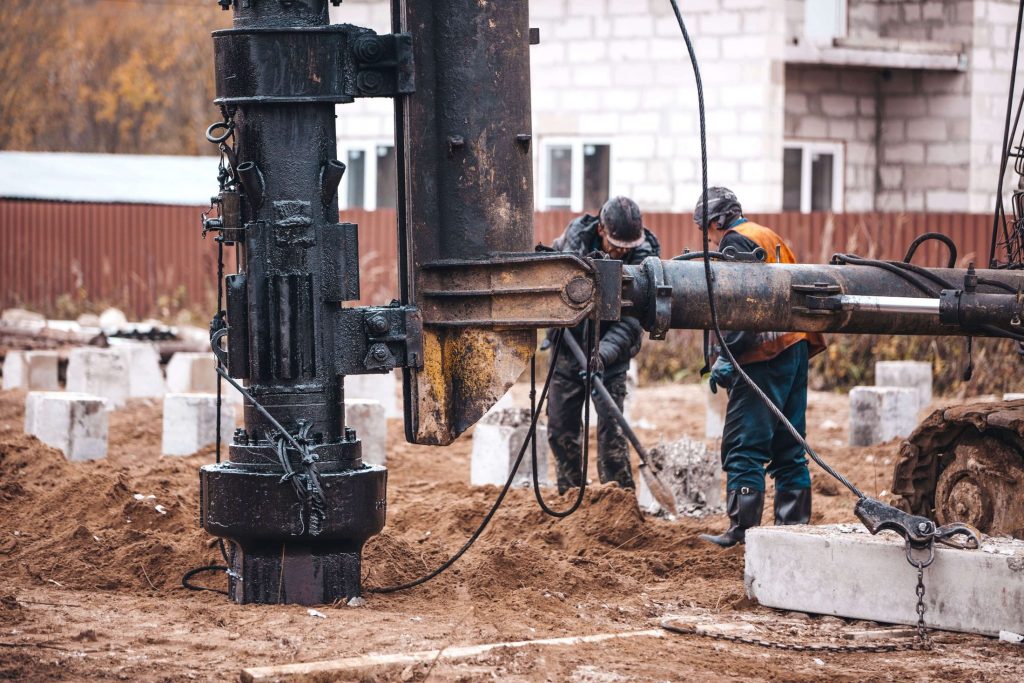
(709, 279)
(1006, 142)
(937, 236)
(531, 434)
(691, 255)
(997, 284)
(585, 464)
(186, 580)
(851, 259)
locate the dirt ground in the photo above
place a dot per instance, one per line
(92, 554)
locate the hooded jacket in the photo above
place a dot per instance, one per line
(620, 340)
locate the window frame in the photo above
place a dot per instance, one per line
(576, 145)
(808, 148)
(369, 149)
(842, 28)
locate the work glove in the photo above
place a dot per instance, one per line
(723, 373)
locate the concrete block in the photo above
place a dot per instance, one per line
(878, 414)
(496, 442)
(844, 571)
(911, 374)
(690, 471)
(75, 423)
(368, 418)
(99, 372)
(383, 388)
(192, 372)
(145, 378)
(715, 406)
(31, 370)
(190, 422)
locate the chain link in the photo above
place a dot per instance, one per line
(794, 647)
(923, 640)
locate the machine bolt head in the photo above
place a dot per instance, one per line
(378, 324)
(379, 352)
(923, 527)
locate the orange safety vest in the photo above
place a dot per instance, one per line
(771, 344)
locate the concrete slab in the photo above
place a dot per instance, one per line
(371, 424)
(879, 414)
(496, 443)
(190, 422)
(75, 423)
(99, 372)
(191, 372)
(31, 370)
(382, 388)
(844, 571)
(910, 374)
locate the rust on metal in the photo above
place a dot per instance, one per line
(966, 463)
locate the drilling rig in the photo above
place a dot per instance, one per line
(294, 501)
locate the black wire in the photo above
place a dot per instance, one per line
(699, 254)
(997, 284)
(1006, 149)
(708, 276)
(581, 491)
(937, 236)
(852, 259)
(185, 579)
(531, 434)
(220, 310)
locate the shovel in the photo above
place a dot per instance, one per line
(606, 405)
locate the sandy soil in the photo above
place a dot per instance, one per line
(90, 575)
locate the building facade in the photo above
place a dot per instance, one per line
(812, 105)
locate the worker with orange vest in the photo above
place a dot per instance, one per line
(753, 440)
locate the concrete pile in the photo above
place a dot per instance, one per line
(497, 439)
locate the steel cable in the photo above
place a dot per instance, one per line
(778, 414)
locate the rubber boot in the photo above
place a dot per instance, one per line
(744, 506)
(792, 507)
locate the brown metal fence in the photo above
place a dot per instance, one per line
(58, 257)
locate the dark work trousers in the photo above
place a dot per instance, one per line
(753, 439)
(565, 427)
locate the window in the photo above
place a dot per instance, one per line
(371, 179)
(574, 175)
(824, 20)
(812, 176)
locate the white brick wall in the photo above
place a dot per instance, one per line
(616, 70)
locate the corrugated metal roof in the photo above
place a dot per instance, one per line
(123, 178)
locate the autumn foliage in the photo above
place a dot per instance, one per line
(114, 76)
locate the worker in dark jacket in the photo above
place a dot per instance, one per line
(753, 439)
(618, 232)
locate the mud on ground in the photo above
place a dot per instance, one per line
(91, 558)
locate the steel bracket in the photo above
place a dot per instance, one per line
(520, 291)
(378, 339)
(335, 63)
